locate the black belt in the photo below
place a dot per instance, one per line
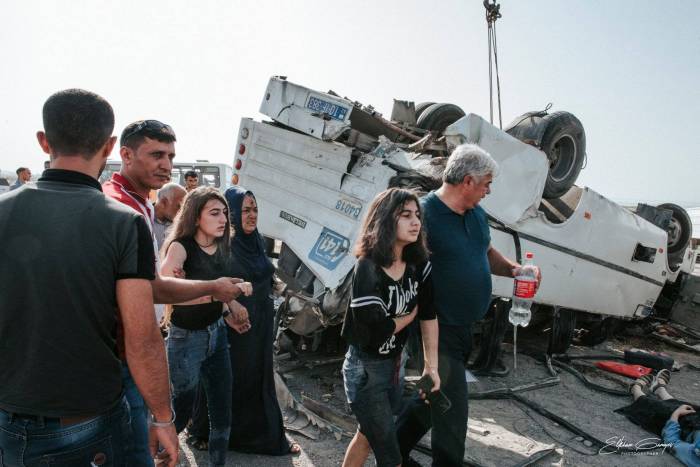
(63, 421)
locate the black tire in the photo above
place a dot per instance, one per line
(562, 333)
(679, 230)
(564, 143)
(560, 135)
(420, 108)
(437, 117)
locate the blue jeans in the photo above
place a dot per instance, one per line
(138, 455)
(32, 441)
(202, 355)
(373, 388)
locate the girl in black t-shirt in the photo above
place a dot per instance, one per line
(197, 345)
(391, 287)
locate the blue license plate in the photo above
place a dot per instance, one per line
(334, 111)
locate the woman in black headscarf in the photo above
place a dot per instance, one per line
(257, 425)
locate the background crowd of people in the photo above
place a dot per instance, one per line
(99, 274)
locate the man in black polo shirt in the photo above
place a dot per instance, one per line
(75, 260)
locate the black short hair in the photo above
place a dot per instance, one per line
(191, 174)
(20, 170)
(77, 122)
(136, 133)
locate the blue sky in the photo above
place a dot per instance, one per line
(630, 70)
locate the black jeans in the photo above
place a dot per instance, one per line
(449, 429)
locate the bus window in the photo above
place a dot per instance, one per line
(209, 176)
(178, 174)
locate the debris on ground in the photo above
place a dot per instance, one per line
(528, 417)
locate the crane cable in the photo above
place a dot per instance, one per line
(493, 12)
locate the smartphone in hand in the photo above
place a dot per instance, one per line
(437, 399)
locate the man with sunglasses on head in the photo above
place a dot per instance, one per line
(147, 152)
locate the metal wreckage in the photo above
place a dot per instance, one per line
(321, 159)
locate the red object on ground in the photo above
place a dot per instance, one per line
(626, 369)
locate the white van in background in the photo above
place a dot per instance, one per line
(210, 174)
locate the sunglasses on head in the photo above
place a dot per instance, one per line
(153, 125)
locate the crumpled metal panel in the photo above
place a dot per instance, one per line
(516, 191)
(601, 275)
(306, 197)
(303, 109)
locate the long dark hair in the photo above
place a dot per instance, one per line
(378, 233)
(185, 223)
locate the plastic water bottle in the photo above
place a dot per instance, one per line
(523, 293)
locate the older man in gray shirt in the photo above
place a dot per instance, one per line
(169, 200)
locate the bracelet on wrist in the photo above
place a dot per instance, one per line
(157, 424)
(225, 313)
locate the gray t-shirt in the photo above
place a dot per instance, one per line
(160, 231)
(63, 247)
